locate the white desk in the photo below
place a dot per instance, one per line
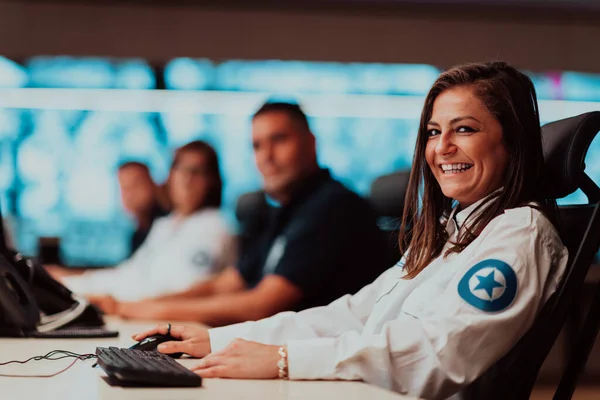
(83, 382)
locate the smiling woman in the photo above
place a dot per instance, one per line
(482, 122)
(465, 150)
(481, 258)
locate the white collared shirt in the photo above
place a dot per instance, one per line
(176, 254)
(432, 335)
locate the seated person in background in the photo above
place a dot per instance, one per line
(140, 197)
(482, 260)
(320, 240)
(183, 248)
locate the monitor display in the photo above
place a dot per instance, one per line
(66, 124)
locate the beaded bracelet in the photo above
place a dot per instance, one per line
(282, 364)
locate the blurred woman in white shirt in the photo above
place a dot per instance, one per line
(189, 245)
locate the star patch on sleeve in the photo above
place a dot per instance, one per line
(490, 285)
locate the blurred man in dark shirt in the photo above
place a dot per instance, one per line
(319, 240)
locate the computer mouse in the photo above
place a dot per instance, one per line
(151, 343)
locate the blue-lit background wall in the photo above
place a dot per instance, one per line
(59, 148)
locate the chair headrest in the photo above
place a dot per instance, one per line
(565, 144)
(387, 194)
(251, 206)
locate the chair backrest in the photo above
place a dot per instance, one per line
(251, 207)
(387, 199)
(251, 212)
(566, 143)
(388, 192)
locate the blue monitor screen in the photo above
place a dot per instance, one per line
(67, 123)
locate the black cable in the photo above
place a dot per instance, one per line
(49, 356)
(54, 355)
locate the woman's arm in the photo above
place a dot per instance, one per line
(348, 313)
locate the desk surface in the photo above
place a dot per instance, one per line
(83, 382)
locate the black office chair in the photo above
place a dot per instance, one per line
(251, 207)
(387, 199)
(566, 143)
(251, 212)
(388, 192)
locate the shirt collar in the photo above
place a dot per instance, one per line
(458, 218)
(308, 186)
(271, 201)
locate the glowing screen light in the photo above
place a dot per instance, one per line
(67, 123)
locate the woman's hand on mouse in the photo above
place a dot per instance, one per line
(194, 341)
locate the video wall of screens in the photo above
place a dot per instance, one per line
(67, 123)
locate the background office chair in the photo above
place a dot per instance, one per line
(251, 208)
(566, 143)
(251, 212)
(387, 199)
(387, 194)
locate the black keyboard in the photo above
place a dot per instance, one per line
(127, 367)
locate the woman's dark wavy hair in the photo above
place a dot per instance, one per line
(510, 97)
(213, 198)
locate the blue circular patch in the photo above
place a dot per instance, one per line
(201, 258)
(490, 285)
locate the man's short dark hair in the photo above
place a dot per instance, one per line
(291, 109)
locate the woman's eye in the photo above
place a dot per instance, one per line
(433, 132)
(465, 129)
